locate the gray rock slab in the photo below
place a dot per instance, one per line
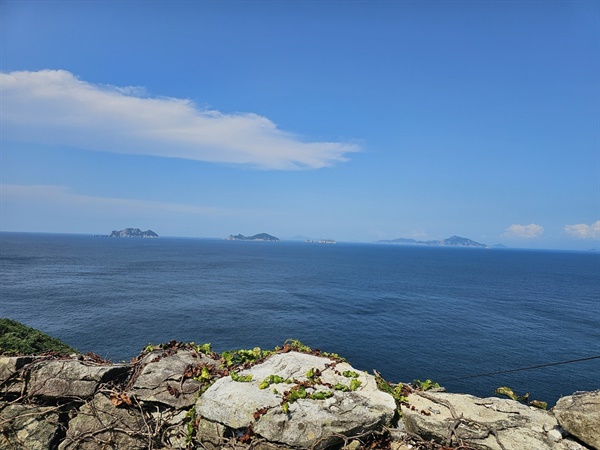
(308, 423)
(99, 424)
(484, 423)
(27, 427)
(579, 414)
(11, 379)
(172, 425)
(10, 365)
(71, 378)
(160, 379)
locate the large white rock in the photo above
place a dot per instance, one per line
(484, 422)
(308, 423)
(579, 414)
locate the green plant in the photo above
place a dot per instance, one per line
(204, 348)
(271, 379)
(204, 375)
(350, 374)
(241, 378)
(425, 385)
(298, 346)
(355, 384)
(395, 391)
(190, 424)
(243, 356)
(508, 392)
(320, 395)
(289, 397)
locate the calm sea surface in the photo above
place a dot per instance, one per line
(409, 312)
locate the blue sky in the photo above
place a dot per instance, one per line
(348, 120)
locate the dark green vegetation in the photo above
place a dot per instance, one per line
(16, 338)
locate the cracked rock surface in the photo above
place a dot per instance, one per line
(579, 414)
(484, 423)
(308, 422)
(161, 378)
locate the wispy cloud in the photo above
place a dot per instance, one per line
(55, 107)
(518, 231)
(584, 231)
(53, 196)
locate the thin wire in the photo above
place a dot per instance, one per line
(521, 369)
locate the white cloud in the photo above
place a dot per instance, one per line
(523, 231)
(583, 231)
(55, 107)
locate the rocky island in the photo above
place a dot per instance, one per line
(186, 396)
(256, 237)
(454, 241)
(133, 233)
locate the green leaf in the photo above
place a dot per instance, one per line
(271, 379)
(539, 404)
(205, 374)
(204, 348)
(241, 378)
(355, 384)
(149, 348)
(321, 395)
(508, 392)
(297, 393)
(350, 374)
(425, 385)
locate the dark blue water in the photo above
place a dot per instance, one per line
(409, 312)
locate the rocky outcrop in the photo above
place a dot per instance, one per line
(99, 424)
(579, 414)
(29, 427)
(321, 413)
(182, 396)
(161, 378)
(70, 378)
(484, 423)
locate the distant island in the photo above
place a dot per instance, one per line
(256, 237)
(454, 241)
(133, 232)
(320, 241)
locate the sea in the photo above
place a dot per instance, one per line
(466, 318)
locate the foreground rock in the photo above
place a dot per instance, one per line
(100, 425)
(71, 378)
(29, 427)
(579, 414)
(484, 423)
(306, 422)
(162, 378)
(183, 396)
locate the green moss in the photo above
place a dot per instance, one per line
(16, 338)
